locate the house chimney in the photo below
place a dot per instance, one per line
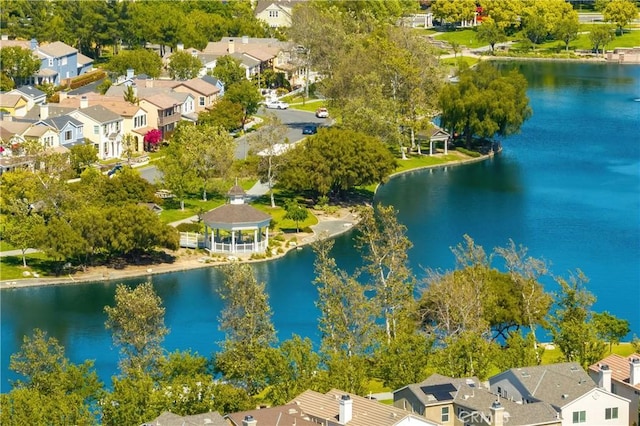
(604, 377)
(180, 47)
(84, 102)
(148, 82)
(44, 111)
(497, 414)
(130, 73)
(346, 409)
(634, 371)
(249, 421)
(231, 47)
(245, 39)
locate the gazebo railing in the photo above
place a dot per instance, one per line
(260, 246)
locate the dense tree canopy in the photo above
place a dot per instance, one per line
(485, 103)
(336, 160)
(183, 65)
(142, 61)
(620, 12)
(18, 64)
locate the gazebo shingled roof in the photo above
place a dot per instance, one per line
(235, 214)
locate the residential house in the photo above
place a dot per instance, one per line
(164, 112)
(212, 80)
(15, 133)
(187, 104)
(276, 13)
(102, 127)
(466, 401)
(15, 105)
(170, 419)
(34, 96)
(254, 54)
(206, 94)
(621, 376)
(70, 130)
(134, 117)
(337, 407)
(58, 60)
(568, 389)
(289, 414)
(85, 64)
(208, 60)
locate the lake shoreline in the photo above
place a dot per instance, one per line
(329, 226)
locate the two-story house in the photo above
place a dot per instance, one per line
(205, 94)
(102, 127)
(568, 389)
(164, 111)
(466, 401)
(620, 375)
(276, 13)
(134, 117)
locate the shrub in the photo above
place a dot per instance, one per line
(189, 227)
(84, 79)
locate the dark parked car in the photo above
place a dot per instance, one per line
(309, 130)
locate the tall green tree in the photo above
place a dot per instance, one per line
(209, 150)
(491, 33)
(504, 13)
(53, 390)
(609, 328)
(566, 29)
(268, 141)
(601, 35)
(620, 12)
(452, 11)
(229, 71)
(82, 156)
(137, 325)
(384, 244)
(571, 322)
(224, 113)
(246, 94)
(23, 227)
(18, 64)
(485, 103)
(334, 161)
(294, 211)
(142, 61)
(183, 65)
(247, 351)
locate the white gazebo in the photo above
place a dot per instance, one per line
(236, 227)
(435, 134)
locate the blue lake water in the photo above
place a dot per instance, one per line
(567, 187)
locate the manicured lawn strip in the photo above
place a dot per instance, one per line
(469, 61)
(5, 246)
(11, 266)
(310, 106)
(467, 38)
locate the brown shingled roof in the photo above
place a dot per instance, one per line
(234, 214)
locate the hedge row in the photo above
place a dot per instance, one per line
(87, 78)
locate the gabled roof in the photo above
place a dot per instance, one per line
(59, 122)
(619, 366)
(113, 103)
(57, 49)
(365, 412)
(100, 114)
(10, 100)
(282, 4)
(557, 384)
(169, 419)
(200, 86)
(161, 100)
(29, 91)
(10, 128)
(212, 80)
(54, 110)
(83, 60)
(36, 131)
(289, 414)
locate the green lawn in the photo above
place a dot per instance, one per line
(5, 246)
(466, 37)
(455, 62)
(554, 355)
(310, 105)
(11, 267)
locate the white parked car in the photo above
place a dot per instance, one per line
(276, 104)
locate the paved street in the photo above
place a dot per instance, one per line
(295, 120)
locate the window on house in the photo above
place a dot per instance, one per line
(67, 135)
(63, 61)
(50, 62)
(273, 14)
(96, 130)
(444, 415)
(579, 416)
(201, 100)
(611, 413)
